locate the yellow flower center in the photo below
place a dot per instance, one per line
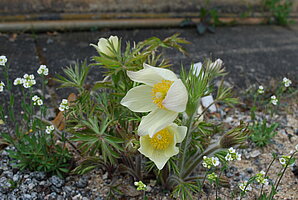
(162, 139)
(159, 92)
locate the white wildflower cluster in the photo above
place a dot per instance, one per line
(212, 176)
(260, 178)
(50, 129)
(245, 186)
(27, 81)
(1, 86)
(140, 185)
(210, 162)
(37, 100)
(64, 105)
(273, 100)
(3, 60)
(284, 160)
(287, 82)
(261, 90)
(232, 155)
(43, 70)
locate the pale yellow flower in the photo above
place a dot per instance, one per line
(163, 95)
(104, 47)
(162, 146)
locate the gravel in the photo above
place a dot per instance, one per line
(24, 185)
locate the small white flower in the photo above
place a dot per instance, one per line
(245, 186)
(238, 156)
(28, 80)
(228, 157)
(35, 98)
(1, 86)
(210, 162)
(287, 82)
(274, 100)
(64, 105)
(215, 161)
(43, 70)
(231, 150)
(3, 60)
(49, 129)
(282, 161)
(18, 81)
(52, 127)
(296, 147)
(140, 185)
(61, 107)
(39, 102)
(232, 155)
(261, 89)
(260, 178)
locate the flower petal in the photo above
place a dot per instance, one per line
(103, 46)
(166, 74)
(145, 147)
(139, 99)
(151, 75)
(159, 158)
(177, 97)
(171, 151)
(155, 121)
(178, 131)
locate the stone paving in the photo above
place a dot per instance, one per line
(251, 53)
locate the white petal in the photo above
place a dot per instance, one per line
(103, 46)
(155, 121)
(159, 158)
(177, 97)
(115, 41)
(145, 147)
(178, 131)
(139, 99)
(197, 68)
(166, 74)
(206, 101)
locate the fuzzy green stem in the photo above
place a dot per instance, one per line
(266, 175)
(282, 174)
(198, 158)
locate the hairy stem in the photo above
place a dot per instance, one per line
(197, 158)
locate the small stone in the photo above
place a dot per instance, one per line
(249, 170)
(56, 181)
(105, 176)
(82, 183)
(255, 153)
(39, 175)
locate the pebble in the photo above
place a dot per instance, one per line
(82, 183)
(56, 181)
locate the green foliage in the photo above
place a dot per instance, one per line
(37, 152)
(209, 19)
(261, 133)
(279, 10)
(75, 76)
(95, 138)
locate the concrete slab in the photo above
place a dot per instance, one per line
(20, 52)
(250, 53)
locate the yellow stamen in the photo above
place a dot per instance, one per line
(162, 139)
(159, 92)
